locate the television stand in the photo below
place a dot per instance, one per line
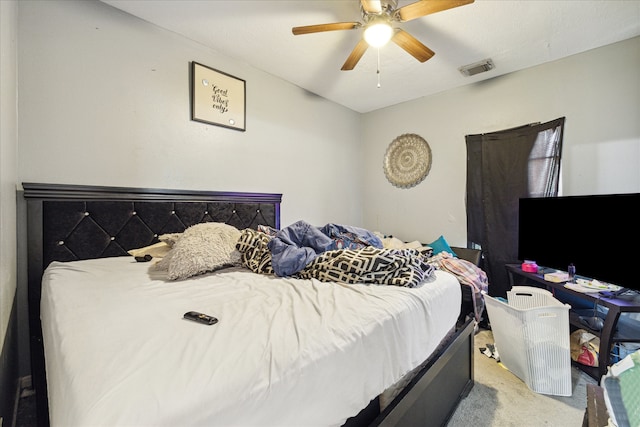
(622, 293)
(609, 335)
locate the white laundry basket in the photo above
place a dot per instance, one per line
(531, 333)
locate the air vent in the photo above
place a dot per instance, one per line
(477, 68)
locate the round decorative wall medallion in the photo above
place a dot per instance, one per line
(407, 161)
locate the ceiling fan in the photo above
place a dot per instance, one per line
(377, 17)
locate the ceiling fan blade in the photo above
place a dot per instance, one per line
(325, 27)
(412, 45)
(371, 6)
(427, 7)
(355, 55)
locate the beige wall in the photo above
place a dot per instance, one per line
(104, 99)
(8, 159)
(597, 91)
(112, 109)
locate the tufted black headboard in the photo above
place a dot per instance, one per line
(75, 222)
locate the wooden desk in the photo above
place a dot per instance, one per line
(596, 414)
(608, 335)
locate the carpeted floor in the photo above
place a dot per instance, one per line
(499, 398)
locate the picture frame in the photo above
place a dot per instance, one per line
(217, 98)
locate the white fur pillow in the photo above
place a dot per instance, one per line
(170, 239)
(157, 250)
(202, 248)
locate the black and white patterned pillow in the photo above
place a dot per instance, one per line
(255, 254)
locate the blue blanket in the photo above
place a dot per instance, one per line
(295, 246)
(366, 265)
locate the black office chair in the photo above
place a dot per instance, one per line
(471, 255)
(474, 256)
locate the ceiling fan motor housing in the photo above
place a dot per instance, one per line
(386, 15)
(387, 7)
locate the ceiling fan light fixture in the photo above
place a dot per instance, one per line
(377, 19)
(378, 34)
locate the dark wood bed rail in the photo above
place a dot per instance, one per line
(88, 192)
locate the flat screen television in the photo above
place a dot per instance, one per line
(597, 233)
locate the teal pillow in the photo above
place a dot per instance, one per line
(440, 244)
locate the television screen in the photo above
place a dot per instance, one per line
(598, 234)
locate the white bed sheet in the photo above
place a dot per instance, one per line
(285, 352)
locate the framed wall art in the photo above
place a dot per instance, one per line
(217, 98)
(407, 161)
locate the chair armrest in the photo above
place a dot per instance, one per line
(471, 255)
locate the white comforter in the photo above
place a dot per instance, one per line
(285, 352)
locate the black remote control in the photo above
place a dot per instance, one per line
(200, 318)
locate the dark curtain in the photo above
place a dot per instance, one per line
(503, 167)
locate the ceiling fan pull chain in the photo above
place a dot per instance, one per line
(378, 70)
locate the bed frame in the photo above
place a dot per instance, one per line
(73, 222)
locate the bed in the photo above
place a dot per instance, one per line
(109, 345)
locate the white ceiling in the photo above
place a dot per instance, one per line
(515, 34)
